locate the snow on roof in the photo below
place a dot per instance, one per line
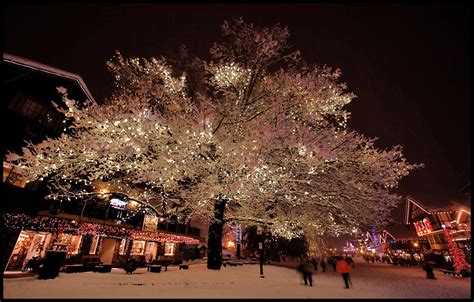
(48, 69)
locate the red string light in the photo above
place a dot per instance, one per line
(457, 255)
(18, 222)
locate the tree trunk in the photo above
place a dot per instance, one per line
(237, 253)
(214, 251)
(238, 240)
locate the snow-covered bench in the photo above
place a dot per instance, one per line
(73, 268)
(232, 263)
(103, 268)
(154, 268)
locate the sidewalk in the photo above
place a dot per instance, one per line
(18, 274)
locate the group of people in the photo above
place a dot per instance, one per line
(404, 261)
(339, 264)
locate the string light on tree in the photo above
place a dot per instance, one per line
(226, 136)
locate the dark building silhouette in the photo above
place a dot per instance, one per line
(28, 89)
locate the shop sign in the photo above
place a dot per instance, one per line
(150, 223)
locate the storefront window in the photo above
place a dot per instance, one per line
(72, 242)
(151, 249)
(123, 244)
(138, 247)
(169, 248)
(94, 244)
(29, 244)
(20, 250)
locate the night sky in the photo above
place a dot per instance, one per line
(408, 64)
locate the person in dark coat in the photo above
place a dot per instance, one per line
(314, 261)
(350, 261)
(428, 268)
(333, 263)
(323, 265)
(306, 269)
(130, 266)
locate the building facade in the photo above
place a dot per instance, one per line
(432, 223)
(111, 227)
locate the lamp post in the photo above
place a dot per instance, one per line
(260, 249)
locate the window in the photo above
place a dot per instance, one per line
(435, 222)
(94, 244)
(444, 217)
(169, 248)
(17, 102)
(138, 247)
(431, 240)
(31, 109)
(72, 242)
(36, 111)
(122, 246)
(11, 177)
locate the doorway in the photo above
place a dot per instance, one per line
(107, 252)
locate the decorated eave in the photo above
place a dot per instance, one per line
(411, 204)
(19, 221)
(26, 63)
(463, 216)
(386, 236)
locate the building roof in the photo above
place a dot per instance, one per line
(453, 205)
(30, 64)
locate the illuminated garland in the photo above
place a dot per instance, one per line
(456, 254)
(18, 222)
(144, 235)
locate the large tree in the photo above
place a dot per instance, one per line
(253, 135)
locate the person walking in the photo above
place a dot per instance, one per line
(428, 268)
(306, 268)
(333, 262)
(130, 266)
(350, 261)
(323, 265)
(344, 268)
(314, 261)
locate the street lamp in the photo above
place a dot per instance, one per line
(260, 249)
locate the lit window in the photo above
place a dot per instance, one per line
(169, 248)
(11, 177)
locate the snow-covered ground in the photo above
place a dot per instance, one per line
(373, 280)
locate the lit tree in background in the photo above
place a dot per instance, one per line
(254, 136)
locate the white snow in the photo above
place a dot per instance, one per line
(373, 280)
